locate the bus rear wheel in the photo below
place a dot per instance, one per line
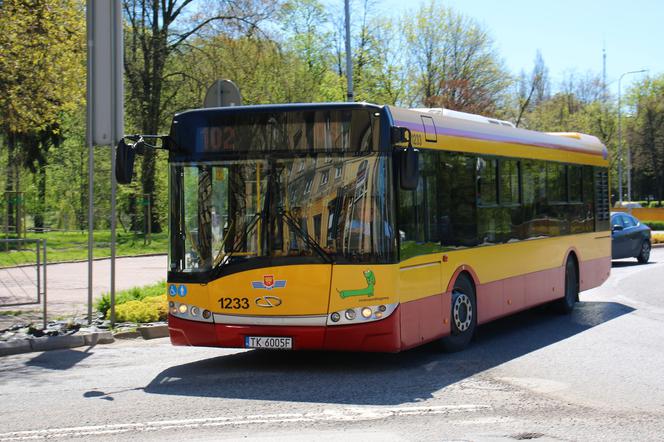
(566, 304)
(464, 315)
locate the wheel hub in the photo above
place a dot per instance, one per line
(462, 311)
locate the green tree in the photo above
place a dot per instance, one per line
(455, 64)
(646, 137)
(42, 45)
(156, 30)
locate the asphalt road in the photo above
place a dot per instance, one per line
(593, 375)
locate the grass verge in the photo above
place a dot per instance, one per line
(73, 246)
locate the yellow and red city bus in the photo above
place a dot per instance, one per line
(353, 226)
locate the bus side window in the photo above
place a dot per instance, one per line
(419, 210)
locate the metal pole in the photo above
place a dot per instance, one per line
(91, 158)
(113, 141)
(349, 62)
(45, 284)
(113, 236)
(38, 272)
(116, 128)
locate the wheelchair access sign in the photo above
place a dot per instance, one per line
(175, 290)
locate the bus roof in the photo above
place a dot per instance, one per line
(284, 107)
(477, 134)
(450, 130)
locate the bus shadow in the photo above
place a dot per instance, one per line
(376, 379)
(616, 264)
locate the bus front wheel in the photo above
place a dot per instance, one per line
(464, 315)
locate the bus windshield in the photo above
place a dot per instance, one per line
(315, 208)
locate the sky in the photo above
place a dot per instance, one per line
(569, 33)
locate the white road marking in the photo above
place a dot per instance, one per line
(332, 414)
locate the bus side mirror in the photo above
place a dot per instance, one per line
(409, 159)
(124, 162)
(409, 168)
(400, 135)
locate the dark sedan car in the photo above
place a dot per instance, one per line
(629, 238)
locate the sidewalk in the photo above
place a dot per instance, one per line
(67, 286)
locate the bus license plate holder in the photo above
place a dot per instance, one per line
(269, 342)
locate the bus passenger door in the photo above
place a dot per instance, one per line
(423, 306)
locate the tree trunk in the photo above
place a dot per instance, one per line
(40, 177)
(134, 224)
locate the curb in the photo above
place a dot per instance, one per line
(54, 343)
(657, 245)
(153, 331)
(127, 335)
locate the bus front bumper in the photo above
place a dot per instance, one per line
(376, 336)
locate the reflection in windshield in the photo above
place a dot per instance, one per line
(328, 208)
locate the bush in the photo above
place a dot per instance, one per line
(103, 304)
(658, 238)
(150, 309)
(654, 225)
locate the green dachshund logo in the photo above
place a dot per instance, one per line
(367, 291)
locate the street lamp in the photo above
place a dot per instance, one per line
(620, 152)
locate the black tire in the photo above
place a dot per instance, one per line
(566, 304)
(644, 254)
(464, 315)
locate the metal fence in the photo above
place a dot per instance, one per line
(23, 284)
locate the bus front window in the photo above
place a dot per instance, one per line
(314, 208)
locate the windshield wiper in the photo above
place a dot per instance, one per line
(312, 243)
(227, 259)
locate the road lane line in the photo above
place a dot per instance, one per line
(331, 414)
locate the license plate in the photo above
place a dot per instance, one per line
(279, 343)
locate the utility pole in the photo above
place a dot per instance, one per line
(349, 61)
(605, 95)
(105, 112)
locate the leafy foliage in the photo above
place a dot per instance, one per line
(134, 294)
(149, 309)
(654, 225)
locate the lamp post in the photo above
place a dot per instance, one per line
(620, 152)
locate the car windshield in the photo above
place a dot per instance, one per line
(316, 208)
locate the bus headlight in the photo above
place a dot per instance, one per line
(190, 312)
(360, 315)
